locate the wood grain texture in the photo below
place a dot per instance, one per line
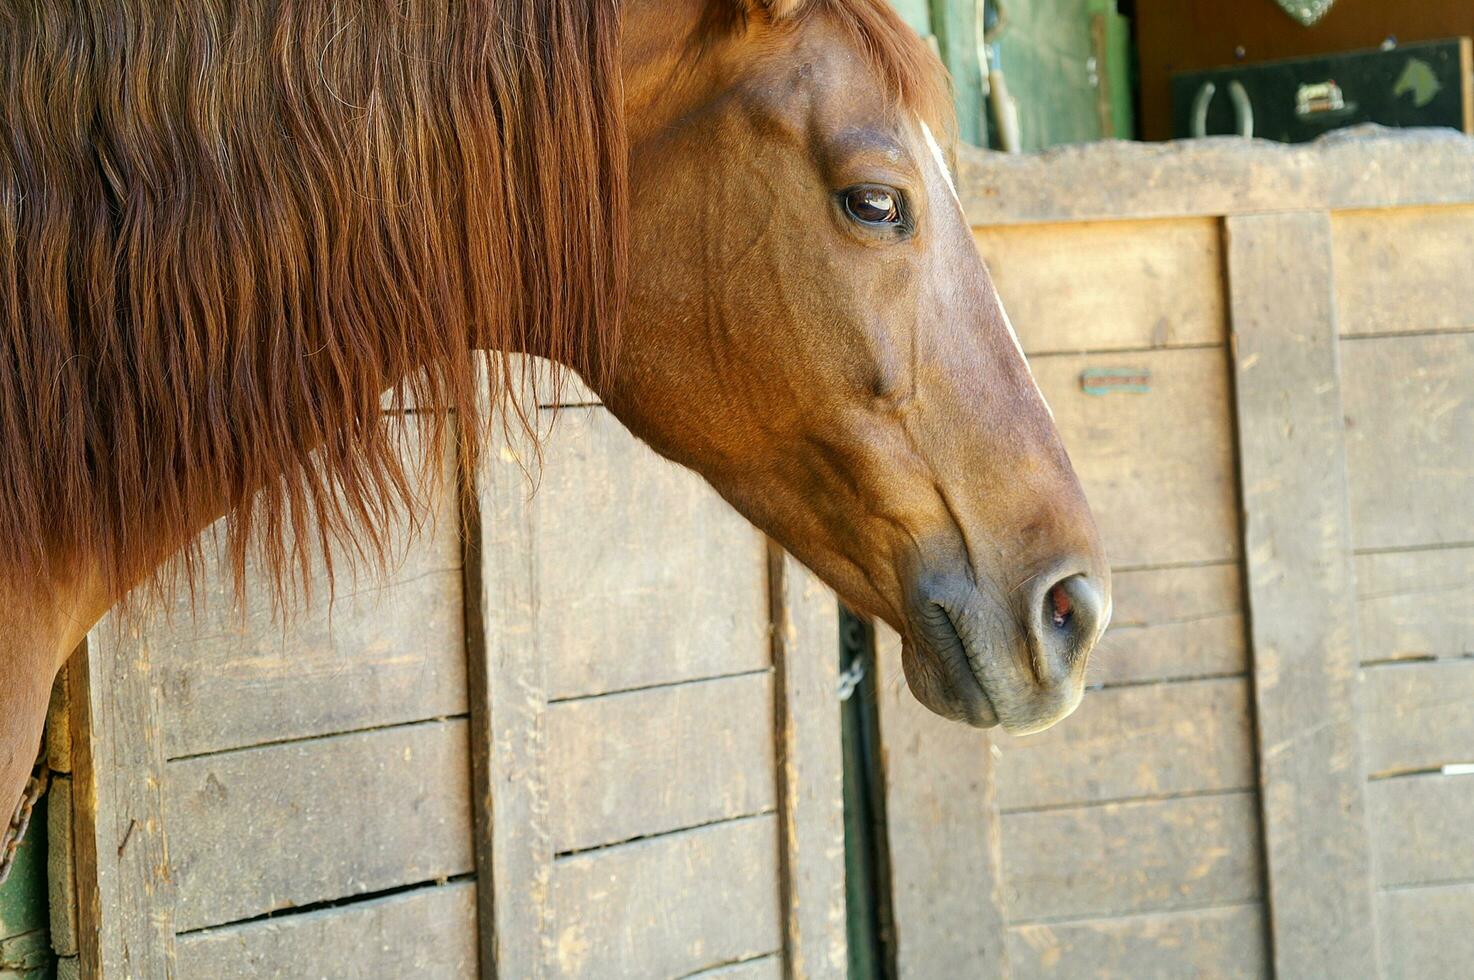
(1173, 624)
(1403, 270)
(1298, 561)
(508, 694)
(1157, 468)
(378, 652)
(1374, 168)
(120, 848)
(1123, 858)
(1420, 715)
(647, 762)
(1131, 742)
(810, 782)
(1410, 424)
(1425, 932)
(669, 905)
(1416, 604)
(654, 578)
(1106, 285)
(759, 968)
(1419, 825)
(429, 932)
(1228, 942)
(942, 829)
(328, 818)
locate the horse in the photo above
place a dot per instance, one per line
(227, 231)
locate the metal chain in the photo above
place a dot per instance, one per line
(11, 837)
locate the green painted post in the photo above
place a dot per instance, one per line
(954, 24)
(25, 939)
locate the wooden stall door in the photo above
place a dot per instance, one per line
(639, 774)
(661, 783)
(1261, 363)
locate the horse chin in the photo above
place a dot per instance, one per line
(939, 676)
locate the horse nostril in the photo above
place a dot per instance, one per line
(1064, 624)
(1060, 606)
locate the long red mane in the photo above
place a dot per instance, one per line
(227, 229)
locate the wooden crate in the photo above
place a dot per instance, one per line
(1256, 785)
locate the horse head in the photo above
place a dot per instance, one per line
(811, 328)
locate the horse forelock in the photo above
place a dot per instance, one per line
(225, 231)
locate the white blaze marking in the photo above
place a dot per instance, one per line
(936, 153)
(1013, 335)
(941, 159)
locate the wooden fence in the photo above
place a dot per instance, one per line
(598, 720)
(1269, 776)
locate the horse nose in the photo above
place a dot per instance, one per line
(1066, 617)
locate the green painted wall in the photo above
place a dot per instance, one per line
(25, 939)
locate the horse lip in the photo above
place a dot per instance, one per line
(975, 703)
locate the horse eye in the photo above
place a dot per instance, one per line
(873, 205)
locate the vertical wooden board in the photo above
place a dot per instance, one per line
(810, 769)
(1120, 858)
(1132, 742)
(669, 905)
(1420, 828)
(631, 765)
(508, 694)
(125, 890)
(1419, 716)
(1425, 932)
(1410, 439)
(1297, 546)
(1221, 943)
(654, 578)
(1097, 286)
(429, 933)
(1404, 270)
(1172, 624)
(328, 819)
(1415, 604)
(942, 832)
(1158, 467)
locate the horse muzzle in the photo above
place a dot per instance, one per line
(1015, 660)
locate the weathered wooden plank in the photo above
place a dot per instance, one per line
(61, 867)
(1419, 715)
(1425, 932)
(1158, 467)
(508, 695)
(1217, 942)
(669, 905)
(1402, 270)
(1131, 742)
(121, 852)
(1173, 623)
(1416, 603)
(1106, 285)
(768, 967)
(429, 932)
(1121, 858)
(645, 592)
(1298, 557)
(631, 765)
(1378, 168)
(383, 655)
(1419, 827)
(328, 818)
(942, 831)
(805, 618)
(1410, 439)
(379, 652)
